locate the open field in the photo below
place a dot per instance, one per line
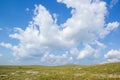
(110, 71)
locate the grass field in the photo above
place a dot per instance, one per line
(110, 71)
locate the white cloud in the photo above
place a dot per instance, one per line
(87, 20)
(87, 51)
(7, 45)
(113, 56)
(43, 35)
(113, 2)
(74, 51)
(56, 59)
(99, 44)
(109, 28)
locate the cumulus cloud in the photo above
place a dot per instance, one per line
(88, 50)
(56, 59)
(74, 51)
(42, 36)
(109, 28)
(7, 45)
(99, 44)
(113, 56)
(113, 2)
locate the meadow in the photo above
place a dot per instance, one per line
(109, 71)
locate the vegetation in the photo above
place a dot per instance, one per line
(110, 71)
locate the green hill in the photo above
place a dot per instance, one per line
(109, 71)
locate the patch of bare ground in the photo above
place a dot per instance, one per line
(3, 75)
(32, 72)
(114, 76)
(78, 74)
(14, 74)
(107, 75)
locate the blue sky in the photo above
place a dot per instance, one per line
(56, 32)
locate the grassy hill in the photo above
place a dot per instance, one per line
(110, 71)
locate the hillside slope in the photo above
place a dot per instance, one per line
(110, 71)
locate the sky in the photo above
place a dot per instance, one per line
(59, 32)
